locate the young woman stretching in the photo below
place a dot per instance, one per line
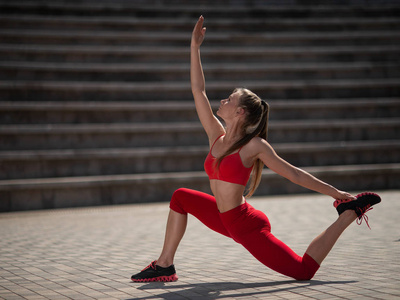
(237, 151)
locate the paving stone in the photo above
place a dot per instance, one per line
(90, 253)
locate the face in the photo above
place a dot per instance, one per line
(229, 107)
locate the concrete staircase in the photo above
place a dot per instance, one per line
(96, 108)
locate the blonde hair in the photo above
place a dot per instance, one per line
(255, 124)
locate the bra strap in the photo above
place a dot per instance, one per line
(216, 141)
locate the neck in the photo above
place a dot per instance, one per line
(233, 133)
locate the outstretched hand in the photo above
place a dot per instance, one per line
(198, 32)
(344, 195)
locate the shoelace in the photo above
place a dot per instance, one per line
(363, 216)
(152, 265)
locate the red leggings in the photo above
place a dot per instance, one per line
(248, 227)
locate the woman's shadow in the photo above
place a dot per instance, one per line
(213, 290)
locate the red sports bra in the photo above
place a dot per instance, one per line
(230, 170)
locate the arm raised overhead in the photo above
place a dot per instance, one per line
(211, 124)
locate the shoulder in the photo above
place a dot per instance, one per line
(257, 147)
(258, 144)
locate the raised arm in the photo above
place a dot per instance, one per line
(296, 175)
(211, 124)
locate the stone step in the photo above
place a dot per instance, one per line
(101, 37)
(180, 9)
(136, 91)
(156, 55)
(218, 20)
(59, 60)
(185, 9)
(82, 136)
(72, 112)
(135, 72)
(46, 193)
(217, 23)
(91, 162)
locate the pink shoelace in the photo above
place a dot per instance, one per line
(363, 216)
(152, 265)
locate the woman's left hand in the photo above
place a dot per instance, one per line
(344, 195)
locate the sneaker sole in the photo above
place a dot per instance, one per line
(337, 202)
(170, 278)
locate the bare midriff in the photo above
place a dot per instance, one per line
(228, 195)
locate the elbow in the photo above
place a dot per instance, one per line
(196, 87)
(195, 90)
(198, 92)
(296, 176)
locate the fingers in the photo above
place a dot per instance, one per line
(199, 25)
(200, 21)
(198, 32)
(344, 195)
(349, 196)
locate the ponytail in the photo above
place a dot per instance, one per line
(256, 124)
(262, 132)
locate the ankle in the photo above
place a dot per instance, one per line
(346, 219)
(164, 263)
(348, 216)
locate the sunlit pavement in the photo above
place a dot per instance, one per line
(90, 253)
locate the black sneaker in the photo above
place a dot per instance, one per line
(156, 273)
(361, 205)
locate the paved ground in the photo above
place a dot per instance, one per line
(91, 253)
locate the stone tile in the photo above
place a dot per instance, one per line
(90, 253)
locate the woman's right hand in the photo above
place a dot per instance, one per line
(198, 33)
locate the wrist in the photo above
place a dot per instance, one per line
(335, 194)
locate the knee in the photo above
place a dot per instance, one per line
(310, 267)
(177, 198)
(304, 277)
(179, 195)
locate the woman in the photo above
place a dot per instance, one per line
(237, 150)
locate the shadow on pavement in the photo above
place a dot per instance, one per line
(213, 290)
